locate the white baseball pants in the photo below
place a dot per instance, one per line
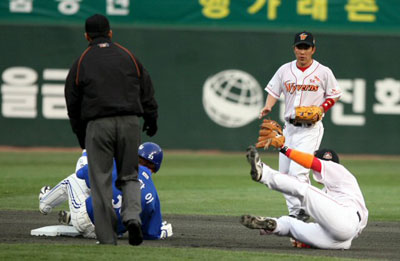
(76, 192)
(305, 139)
(335, 225)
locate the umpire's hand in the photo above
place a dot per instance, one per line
(150, 126)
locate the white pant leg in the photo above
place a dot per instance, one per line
(292, 203)
(309, 233)
(283, 183)
(340, 222)
(306, 140)
(81, 221)
(78, 192)
(55, 197)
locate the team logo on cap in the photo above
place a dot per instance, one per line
(327, 155)
(303, 36)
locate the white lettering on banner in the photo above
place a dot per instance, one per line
(54, 106)
(231, 98)
(353, 93)
(21, 6)
(19, 92)
(117, 7)
(68, 7)
(20, 76)
(387, 92)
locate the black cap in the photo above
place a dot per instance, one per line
(327, 154)
(97, 25)
(304, 38)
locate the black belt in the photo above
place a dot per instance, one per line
(359, 216)
(298, 124)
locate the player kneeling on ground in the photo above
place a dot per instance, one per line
(76, 189)
(338, 209)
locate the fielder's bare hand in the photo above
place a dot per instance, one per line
(265, 111)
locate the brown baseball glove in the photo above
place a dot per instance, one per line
(308, 114)
(270, 135)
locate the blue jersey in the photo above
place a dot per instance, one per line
(151, 212)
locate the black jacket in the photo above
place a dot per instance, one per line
(107, 80)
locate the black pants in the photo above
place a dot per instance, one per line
(107, 139)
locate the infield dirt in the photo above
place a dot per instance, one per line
(380, 240)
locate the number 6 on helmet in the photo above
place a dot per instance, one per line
(151, 152)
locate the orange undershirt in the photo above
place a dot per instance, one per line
(304, 159)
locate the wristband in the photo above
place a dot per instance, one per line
(327, 104)
(284, 149)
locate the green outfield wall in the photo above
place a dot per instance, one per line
(209, 85)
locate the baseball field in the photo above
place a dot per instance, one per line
(203, 196)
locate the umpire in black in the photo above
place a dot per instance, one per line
(106, 91)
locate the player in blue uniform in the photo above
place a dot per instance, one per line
(76, 188)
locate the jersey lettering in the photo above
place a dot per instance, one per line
(149, 198)
(142, 186)
(144, 174)
(292, 87)
(118, 203)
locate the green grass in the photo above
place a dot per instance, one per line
(188, 183)
(92, 252)
(195, 183)
(379, 181)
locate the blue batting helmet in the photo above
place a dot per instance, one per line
(151, 152)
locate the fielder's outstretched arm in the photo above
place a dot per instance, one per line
(269, 103)
(306, 160)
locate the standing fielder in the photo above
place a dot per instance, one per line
(304, 82)
(338, 209)
(76, 189)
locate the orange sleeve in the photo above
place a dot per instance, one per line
(304, 159)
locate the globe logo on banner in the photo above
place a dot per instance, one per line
(232, 98)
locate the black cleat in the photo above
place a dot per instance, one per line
(255, 222)
(64, 217)
(256, 165)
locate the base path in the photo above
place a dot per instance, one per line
(380, 240)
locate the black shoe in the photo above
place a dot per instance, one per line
(302, 215)
(256, 165)
(135, 232)
(64, 217)
(255, 222)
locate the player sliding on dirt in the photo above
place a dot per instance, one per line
(76, 189)
(338, 209)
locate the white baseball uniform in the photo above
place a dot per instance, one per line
(311, 87)
(76, 192)
(338, 209)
